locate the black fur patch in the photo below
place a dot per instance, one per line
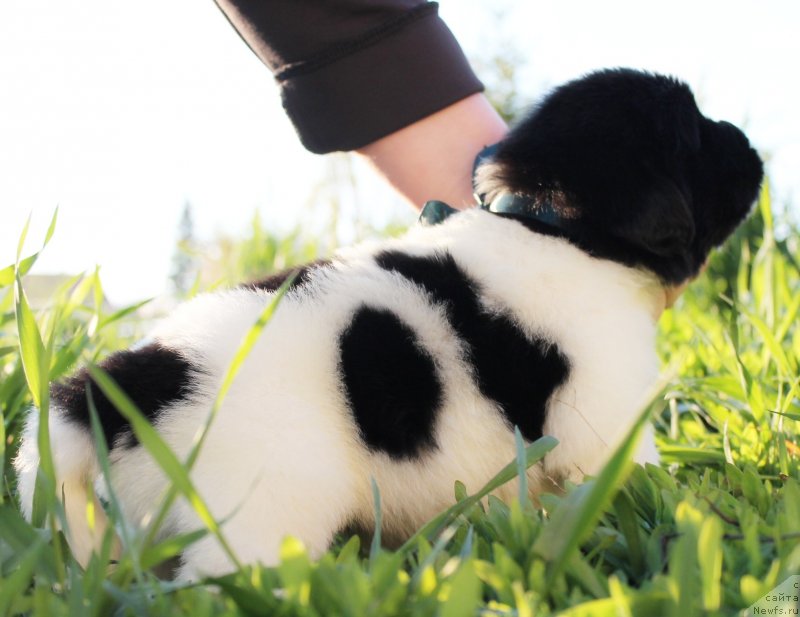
(390, 382)
(518, 373)
(153, 377)
(644, 178)
(273, 282)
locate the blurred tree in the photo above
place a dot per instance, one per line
(332, 215)
(500, 72)
(499, 66)
(184, 260)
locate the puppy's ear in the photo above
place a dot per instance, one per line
(662, 223)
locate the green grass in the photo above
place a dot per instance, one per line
(707, 533)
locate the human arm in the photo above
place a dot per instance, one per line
(385, 78)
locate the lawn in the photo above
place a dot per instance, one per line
(708, 532)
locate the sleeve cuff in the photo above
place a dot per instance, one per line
(368, 88)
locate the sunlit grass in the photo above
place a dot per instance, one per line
(707, 533)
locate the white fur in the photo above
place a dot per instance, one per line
(284, 455)
(76, 465)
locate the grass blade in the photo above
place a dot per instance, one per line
(23, 236)
(22, 266)
(629, 525)
(36, 364)
(522, 469)
(123, 312)
(51, 228)
(15, 585)
(579, 510)
(242, 352)
(709, 554)
(105, 467)
(465, 592)
(31, 347)
(8, 273)
(161, 453)
(171, 547)
(375, 547)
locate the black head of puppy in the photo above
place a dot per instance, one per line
(633, 170)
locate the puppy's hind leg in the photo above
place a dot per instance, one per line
(256, 531)
(302, 477)
(259, 545)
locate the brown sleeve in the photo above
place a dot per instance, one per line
(353, 71)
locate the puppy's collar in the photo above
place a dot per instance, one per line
(517, 206)
(521, 206)
(507, 204)
(434, 212)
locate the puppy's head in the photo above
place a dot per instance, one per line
(633, 170)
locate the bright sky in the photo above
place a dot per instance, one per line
(120, 112)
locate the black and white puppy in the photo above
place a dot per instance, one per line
(411, 360)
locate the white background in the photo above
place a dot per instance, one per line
(121, 112)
